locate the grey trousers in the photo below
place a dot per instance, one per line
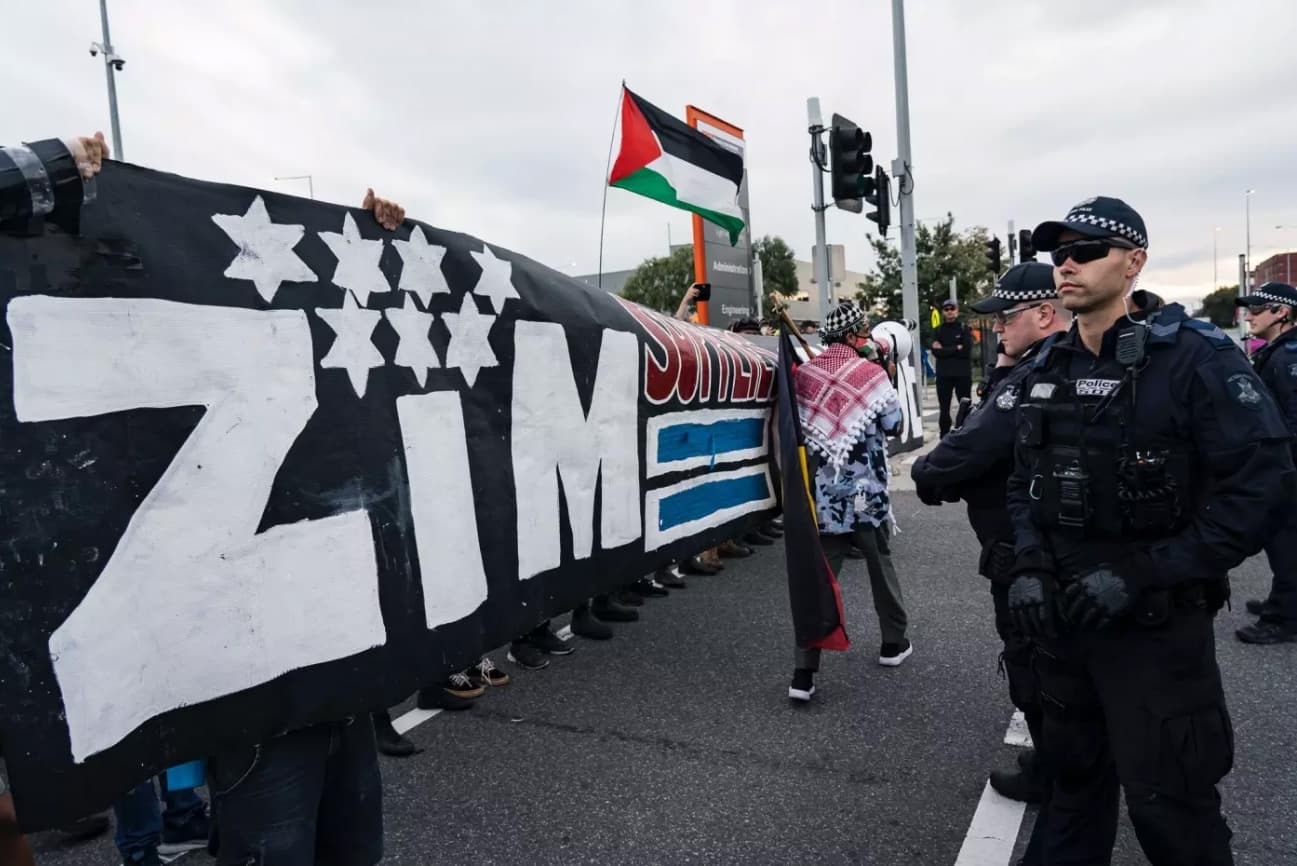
(874, 543)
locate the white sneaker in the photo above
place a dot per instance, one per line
(893, 655)
(803, 688)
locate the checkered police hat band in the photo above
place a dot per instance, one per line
(1117, 228)
(1272, 297)
(1025, 294)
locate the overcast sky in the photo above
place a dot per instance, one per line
(494, 117)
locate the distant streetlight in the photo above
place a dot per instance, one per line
(1215, 271)
(310, 186)
(1247, 257)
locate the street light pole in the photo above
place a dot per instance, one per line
(1215, 260)
(112, 64)
(901, 170)
(1247, 202)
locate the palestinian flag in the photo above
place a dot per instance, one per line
(665, 159)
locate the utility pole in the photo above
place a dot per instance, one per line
(1215, 261)
(901, 170)
(112, 64)
(1242, 290)
(1246, 282)
(1013, 249)
(815, 127)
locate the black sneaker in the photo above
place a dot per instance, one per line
(757, 538)
(1028, 762)
(647, 588)
(893, 654)
(770, 530)
(485, 673)
(188, 835)
(585, 625)
(437, 698)
(631, 598)
(87, 828)
(526, 656)
(546, 641)
(1258, 606)
(1264, 632)
(803, 685)
(670, 578)
(389, 742)
(608, 610)
(1018, 786)
(462, 686)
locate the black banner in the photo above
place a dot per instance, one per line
(266, 464)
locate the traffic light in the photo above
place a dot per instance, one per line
(1026, 252)
(851, 167)
(993, 255)
(881, 199)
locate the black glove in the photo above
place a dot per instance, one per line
(928, 494)
(1031, 604)
(1095, 600)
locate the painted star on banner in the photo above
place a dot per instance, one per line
(357, 269)
(421, 272)
(265, 254)
(469, 349)
(353, 350)
(496, 281)
(414, 350)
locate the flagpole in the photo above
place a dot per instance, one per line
(603, 211)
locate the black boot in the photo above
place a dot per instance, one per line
(1018, 786)
(608, 610)
(585, 625)
(391, 743)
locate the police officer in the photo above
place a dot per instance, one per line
(1148, 461)
(1270, 315)
(972, 463)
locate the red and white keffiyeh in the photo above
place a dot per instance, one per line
(839, 394)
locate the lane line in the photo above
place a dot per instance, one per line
(413, 719)
(1018, 734)
(997, 822)
(994, 831)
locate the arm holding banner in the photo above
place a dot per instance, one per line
(47, 178)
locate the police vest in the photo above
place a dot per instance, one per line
(1096, 472)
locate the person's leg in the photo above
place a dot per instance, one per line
(1080, 826)
(1282, 553)
(267, 799)
(963, 388)
(806, 660)
(184, 820)
(945, 386)
(350, 828)
(139, 824)
(873, 542)
(1171, 736)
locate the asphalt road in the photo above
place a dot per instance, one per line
(675, 742)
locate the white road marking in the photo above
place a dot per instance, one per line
(994, 831)
(998, 820)
(1018, 735)
(413, 719)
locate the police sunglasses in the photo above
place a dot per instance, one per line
(1003, 318)
(1087, 251)
(1258, 309)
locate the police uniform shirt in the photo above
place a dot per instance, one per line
(1197, 402)
(1276, 364)
(974, 461)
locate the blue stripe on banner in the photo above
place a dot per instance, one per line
(683, 441)
(698, 502)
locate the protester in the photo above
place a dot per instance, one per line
(848, 407)
(312, 795)
(952, 344)
(144, 831)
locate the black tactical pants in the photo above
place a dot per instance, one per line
(959, 386)
(1281, 551)
(1149, 700)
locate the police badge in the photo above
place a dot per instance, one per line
(1008, 398)
(1244, 393)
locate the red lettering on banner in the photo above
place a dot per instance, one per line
(683, 361)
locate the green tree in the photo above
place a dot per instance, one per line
(943, 253)
(1219, 306)
(660, 283)
(778, 273)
